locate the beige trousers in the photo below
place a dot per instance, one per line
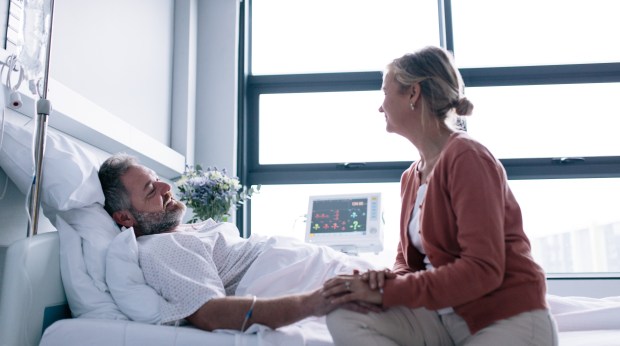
(404, 326)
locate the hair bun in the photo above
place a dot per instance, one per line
(464, 106)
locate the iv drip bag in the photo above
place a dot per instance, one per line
(32, 39)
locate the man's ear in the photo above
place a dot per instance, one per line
(123, 218)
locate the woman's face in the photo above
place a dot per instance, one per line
(396, 105)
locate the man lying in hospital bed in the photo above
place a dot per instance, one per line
(200, 269)
(104, 285)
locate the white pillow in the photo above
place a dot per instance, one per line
(126, 282)
(85, 300)
(70, 174)
(97, 230)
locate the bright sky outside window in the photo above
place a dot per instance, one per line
(547, 120)
(535, 32)
(295, 36)
(327, 127)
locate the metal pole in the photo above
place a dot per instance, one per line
(44, 109)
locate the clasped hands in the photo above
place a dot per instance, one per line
(358, 292)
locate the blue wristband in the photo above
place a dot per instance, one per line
(248, 314)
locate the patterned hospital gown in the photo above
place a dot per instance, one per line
(190, 267)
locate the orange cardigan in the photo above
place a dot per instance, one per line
(472, 232)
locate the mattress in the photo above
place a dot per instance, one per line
(99, 332)
(96, 332)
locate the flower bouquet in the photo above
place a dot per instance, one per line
(211, 193)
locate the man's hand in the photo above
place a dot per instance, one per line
(318, 303)
(230, 312)
(357, 288)
(323, 303)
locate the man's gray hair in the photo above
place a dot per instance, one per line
(110, 172)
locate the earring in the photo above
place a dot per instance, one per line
(412, 106)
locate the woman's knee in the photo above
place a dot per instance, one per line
(337, 318)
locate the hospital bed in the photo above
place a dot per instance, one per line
(47, 273)
(33, 302)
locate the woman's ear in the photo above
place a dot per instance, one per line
(414, 93)
(123, 218)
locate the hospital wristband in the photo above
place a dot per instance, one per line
(248, 314)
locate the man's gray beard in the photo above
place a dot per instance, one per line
(158, 221)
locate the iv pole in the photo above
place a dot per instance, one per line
(43, 108)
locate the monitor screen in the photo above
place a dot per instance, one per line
(339, 216)
(350, 223)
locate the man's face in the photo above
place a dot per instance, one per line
(153, 207)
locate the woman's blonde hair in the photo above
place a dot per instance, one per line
(440, 81)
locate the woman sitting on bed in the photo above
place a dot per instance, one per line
(196, 268)
(464, 274)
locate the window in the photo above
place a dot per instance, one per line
(543, 85)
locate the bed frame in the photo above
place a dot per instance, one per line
(33, 296)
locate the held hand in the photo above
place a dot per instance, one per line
(319, 304)
(322, 305)
(350, 288)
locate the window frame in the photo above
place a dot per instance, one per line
(251, 172)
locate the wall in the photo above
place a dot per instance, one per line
(118, 54)
(216, 89)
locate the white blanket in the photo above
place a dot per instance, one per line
(288, 266)
(584, 313)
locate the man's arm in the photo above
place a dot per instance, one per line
(230, 312)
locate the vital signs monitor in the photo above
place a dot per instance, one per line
(349, 223)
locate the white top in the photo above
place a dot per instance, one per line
(414, 225)
(190, 267)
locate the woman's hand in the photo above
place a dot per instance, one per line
(376, 278)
